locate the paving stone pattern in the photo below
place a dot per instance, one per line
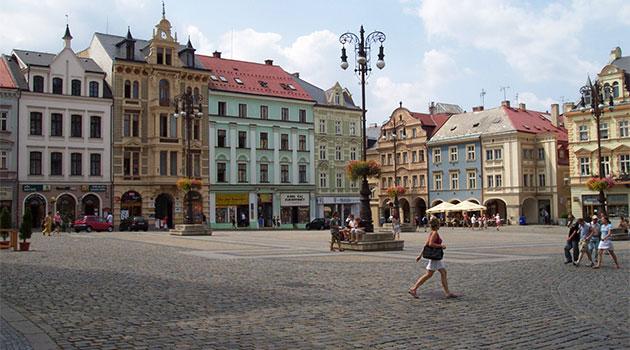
(282, 291)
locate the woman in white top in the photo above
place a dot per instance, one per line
(605, 243)
(395, 227)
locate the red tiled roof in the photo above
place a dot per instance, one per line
(253, 76)
(534, 122)
(6, 80)
(432, 122)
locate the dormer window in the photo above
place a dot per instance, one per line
(214, 77)
(337, 99)
(57, 86)
(76, 87)
(263, 83)
(223, 79)
(164, 56)
(38, 83)
(238, 81)
(168, 56)
(291, 87)
(160, 55)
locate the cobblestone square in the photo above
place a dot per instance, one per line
(285, 290)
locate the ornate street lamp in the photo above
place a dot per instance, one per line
(394, 137)
(190, 107)
(595, 94)
(362, 50)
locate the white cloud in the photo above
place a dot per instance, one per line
(199, 41)
(534, 102)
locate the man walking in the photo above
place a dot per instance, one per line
(593, 244)
(572, 244)
(585, 235)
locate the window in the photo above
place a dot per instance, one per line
(339, 178)
(197, 129)
(337, 99)
(242, 172)
(75, 87)
(3, 121)
(337, 127)
(285, 113)
(405, 181)
(173, 160)
(164, 92)
(525, 182)
(489, 154)
(421, 156)
(196, 164)
(302, 173)
(36, 123)
(93, 87)
(414, 181)
(76, 125)
(398, 158)
(583, 130)
(242, 110)
(541, 154)
(172, 131)
(322, 126)
(284, 173)
(242, 139)
(222, 108)
(3, 160)
(470, 152)
(264, 141)
(163, 125)
(302, 142)
(606, 165)
(135, 92)
(221, 138)
(498, 180)
(131, 125)
(95, 164)
(413, 132)
(453, 154)
(389, 159)
(322, 151)
(353, 153)
(397, 180)
(57, 86)
(389, 182)
(472, 180)
(528, 153)
(56, 124)
(541, 180)
(160, 55)
(264, 173)
(490, 181)
(95, 127)
(131, 163)
(624, 163)
(127, 89)
(437, 155)
(38, 83)
(498, 154)
(615, 89)
(624, 129)
(454, 181)
(382, 159)
(437, 182)
(322, 180)
(338, 154)
(405, 159)
(76, 164)
(585, 166)
(353, 128)
(221, 172)
(603, 131)
(264, 112)
(163, 163)
(35, 161)
(302, 114)
(168, 56)
(284, 142)
(56, 163)
(422, 181)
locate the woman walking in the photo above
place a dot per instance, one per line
(47, 225)
(434, 241)
(335, 225)
(395, 227)
(605, 243)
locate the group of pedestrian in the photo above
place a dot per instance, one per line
(591, 240)
(51, 223)
(350, 231)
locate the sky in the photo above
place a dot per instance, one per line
(435, 50)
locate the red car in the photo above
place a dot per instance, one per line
(91, 223)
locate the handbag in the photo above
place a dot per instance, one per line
(431, 253)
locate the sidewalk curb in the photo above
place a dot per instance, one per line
(36, 337)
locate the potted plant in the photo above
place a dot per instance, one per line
(600, 183)
(5, 224)
(185, 184)
(395, 191)
(26, 229)
(356, 169)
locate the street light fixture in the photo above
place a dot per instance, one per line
(189, 106)
(592, 94)
(362, 50)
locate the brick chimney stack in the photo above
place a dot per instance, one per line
(216, 54)
(555, 114)
(269, 62)
(505, 103)
(521, 107)
(478, 109)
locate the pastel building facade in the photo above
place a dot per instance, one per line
(9, 95)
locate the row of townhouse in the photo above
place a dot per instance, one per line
(94, 132)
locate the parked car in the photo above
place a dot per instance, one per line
(91, 223)
(318, 224)
(135, 223)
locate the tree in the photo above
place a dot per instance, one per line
(26, 228)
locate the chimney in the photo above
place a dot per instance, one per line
(269, 62)
(567, 107)
(555, 113)
(505, 103)
(521, 107)
(216, 54)
(431, 108)
(296, 74)
(478, 109)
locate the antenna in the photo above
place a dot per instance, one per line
(66, 19)
(516, 97)
(482, 95)
(504, 89)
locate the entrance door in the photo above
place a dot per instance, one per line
(91, 205)
(37, 204)
(164, 209)
(544, 207)
(66, 206)
(130, 205)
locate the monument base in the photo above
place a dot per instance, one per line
(372, 242)
(191, 230)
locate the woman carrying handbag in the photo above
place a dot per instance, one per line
(433, 251)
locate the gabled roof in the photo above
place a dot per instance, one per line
(6, 78)
(16, 74)
(322, 97)
(253, 78)
(44, 59)
(534, 122)
(431, 123)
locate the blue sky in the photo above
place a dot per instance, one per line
(436, 50)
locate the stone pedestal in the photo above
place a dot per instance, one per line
(406, 227)
(191, 230)
(375, 242)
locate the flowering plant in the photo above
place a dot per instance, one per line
(600, 184)
(186, 184)
(358, 168)
(395, 191)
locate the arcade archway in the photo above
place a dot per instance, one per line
(91, 204)
(37, 204)
(164, 209)
(130, 205)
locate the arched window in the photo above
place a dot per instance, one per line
(164, 92)
(76, 87)
(38, 83)
(615, 89)
(136, 89)
(606, 91)
(93, 89)
(127, 89)
(57, 86)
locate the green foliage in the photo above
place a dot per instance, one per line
(5, 219)
(26, 228)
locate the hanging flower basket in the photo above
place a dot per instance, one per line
(600, 184)
(395, 191)
(186, 184)
(357, 169)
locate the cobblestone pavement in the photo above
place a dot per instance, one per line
(284, 290)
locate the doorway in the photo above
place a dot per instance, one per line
(164, 209)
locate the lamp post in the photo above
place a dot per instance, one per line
(188, 106)
(593, 93)
(394, 137)
(362, 50)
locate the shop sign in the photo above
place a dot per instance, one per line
(6, 195)
(35, 188)
(231, 199)
(294, 199)
(265, 197)
(94, 188)
(64, 188)
(590, 199)
(338, 200)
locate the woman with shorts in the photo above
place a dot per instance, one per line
(605, 243)
(434, 241)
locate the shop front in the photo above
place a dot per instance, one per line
(617, 205)
(232, 210)
(345, 206)
(265, 210)
(295, 209)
